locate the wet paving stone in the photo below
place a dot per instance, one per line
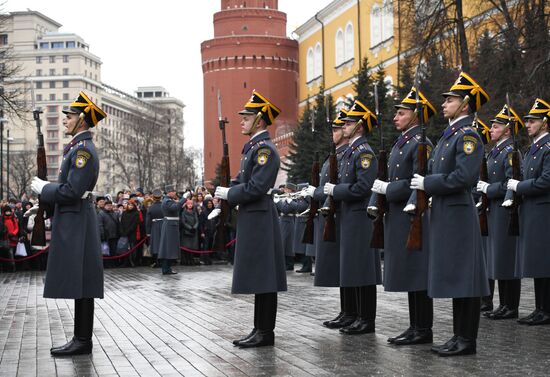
(183, 325)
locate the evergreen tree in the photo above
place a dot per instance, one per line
(364, 84)
(311, 136)
(407, 78)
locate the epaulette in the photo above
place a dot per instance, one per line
(509, 148)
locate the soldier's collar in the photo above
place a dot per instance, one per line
(457, 125)
(455, 121)
(358, 141)
(262, 135)
(539, 139)
(342, 148)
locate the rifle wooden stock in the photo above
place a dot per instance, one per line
(329, 231)
(482, 210)
(377, 240)
(309, 231)
(414, 240)
(38, 237)
(220, 234)
(513, 227)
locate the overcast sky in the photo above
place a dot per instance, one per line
(144, 42)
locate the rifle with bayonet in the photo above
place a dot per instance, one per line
(329, 231)
(513, 227)
(414, 240)
(483, 176)
(377, 240)
(220, 235)
(38, 237)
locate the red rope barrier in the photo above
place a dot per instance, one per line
(127, 252)
(206, 251)
(8, 260)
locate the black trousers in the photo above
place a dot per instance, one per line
(488, 300)
(466, 317)
(265, 311)
(542, 294)
(348, 301)
(366, 302)
(83, 318)
(421, 310)
(509, 292)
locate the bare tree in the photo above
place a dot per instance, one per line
(22, 168)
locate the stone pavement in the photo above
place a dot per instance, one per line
(154, 325)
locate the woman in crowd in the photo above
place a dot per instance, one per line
(129, 223)
(189, 224)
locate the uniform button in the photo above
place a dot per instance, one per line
(408, 141)
(494, 172)
(245, 158)
(347, 174)
(532, 169)
(397, 165)
(495, 162)
(400, 152)
(447, 144)
(442, 158)
(397, 178)
(534, 157)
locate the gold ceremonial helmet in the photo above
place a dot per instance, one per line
(88, 110)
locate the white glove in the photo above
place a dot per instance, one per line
(507, 203)
(372, 210)
(380, 187)
(410, 208)
(417, 183)
(215, 213)
(328, 188)
(308, 191)
(478, 204)
(289, 200)
(221, 192)
(32, 211)
(37, 185)
(512, 184)
(276, 200)
(430, 202)
(482, 186)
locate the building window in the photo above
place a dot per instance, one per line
(52, 96)
(65, 96)
(38, 72)
(52, 146)
(310, 65)
(381, 23)
(52, 59)
(58, 44)
(44, 45)
(65, 58)
(52, 84)
(52, 109)
(39, 97)
(38, 59)
(3, 39)
(339, 47)
(39, 85)
(52, 160)
(65, 71)
(65, 84)
(318, 66)
(70, 44)
(349, 42)
(52, 71)
(53, 121)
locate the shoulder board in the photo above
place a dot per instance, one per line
(417, 137)
(547, 145)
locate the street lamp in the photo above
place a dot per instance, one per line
(8, 140)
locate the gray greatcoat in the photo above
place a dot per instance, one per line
(286, 221)
(75, 268)
(327, 254)
(404, 270)
(456, 263)
(153, 225)
(299, 205)
(534, 253)
(169, 247)
(259, 264)
(359, 264)
(501, 247)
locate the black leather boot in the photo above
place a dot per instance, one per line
(348, 312)
(365, 322)
(81, 343)
(267, 314)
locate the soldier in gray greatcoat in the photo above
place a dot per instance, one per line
(153, 224)
(169, 247)
(456, 266)
(501, 247)
(327, 253)
(286, 221)
(534, 227)
(406, 270)
(359, 264)
(75, 268)
(259, 267)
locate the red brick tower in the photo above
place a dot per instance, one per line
(249, 51)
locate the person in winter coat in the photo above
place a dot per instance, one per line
(207, 228)
(109, 227)
(129, 223)
(9, 231)
(189, 225)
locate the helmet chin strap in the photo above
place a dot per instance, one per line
(255, 124)
(360, 122)
(465, 101)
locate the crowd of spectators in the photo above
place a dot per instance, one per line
(122, 225)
